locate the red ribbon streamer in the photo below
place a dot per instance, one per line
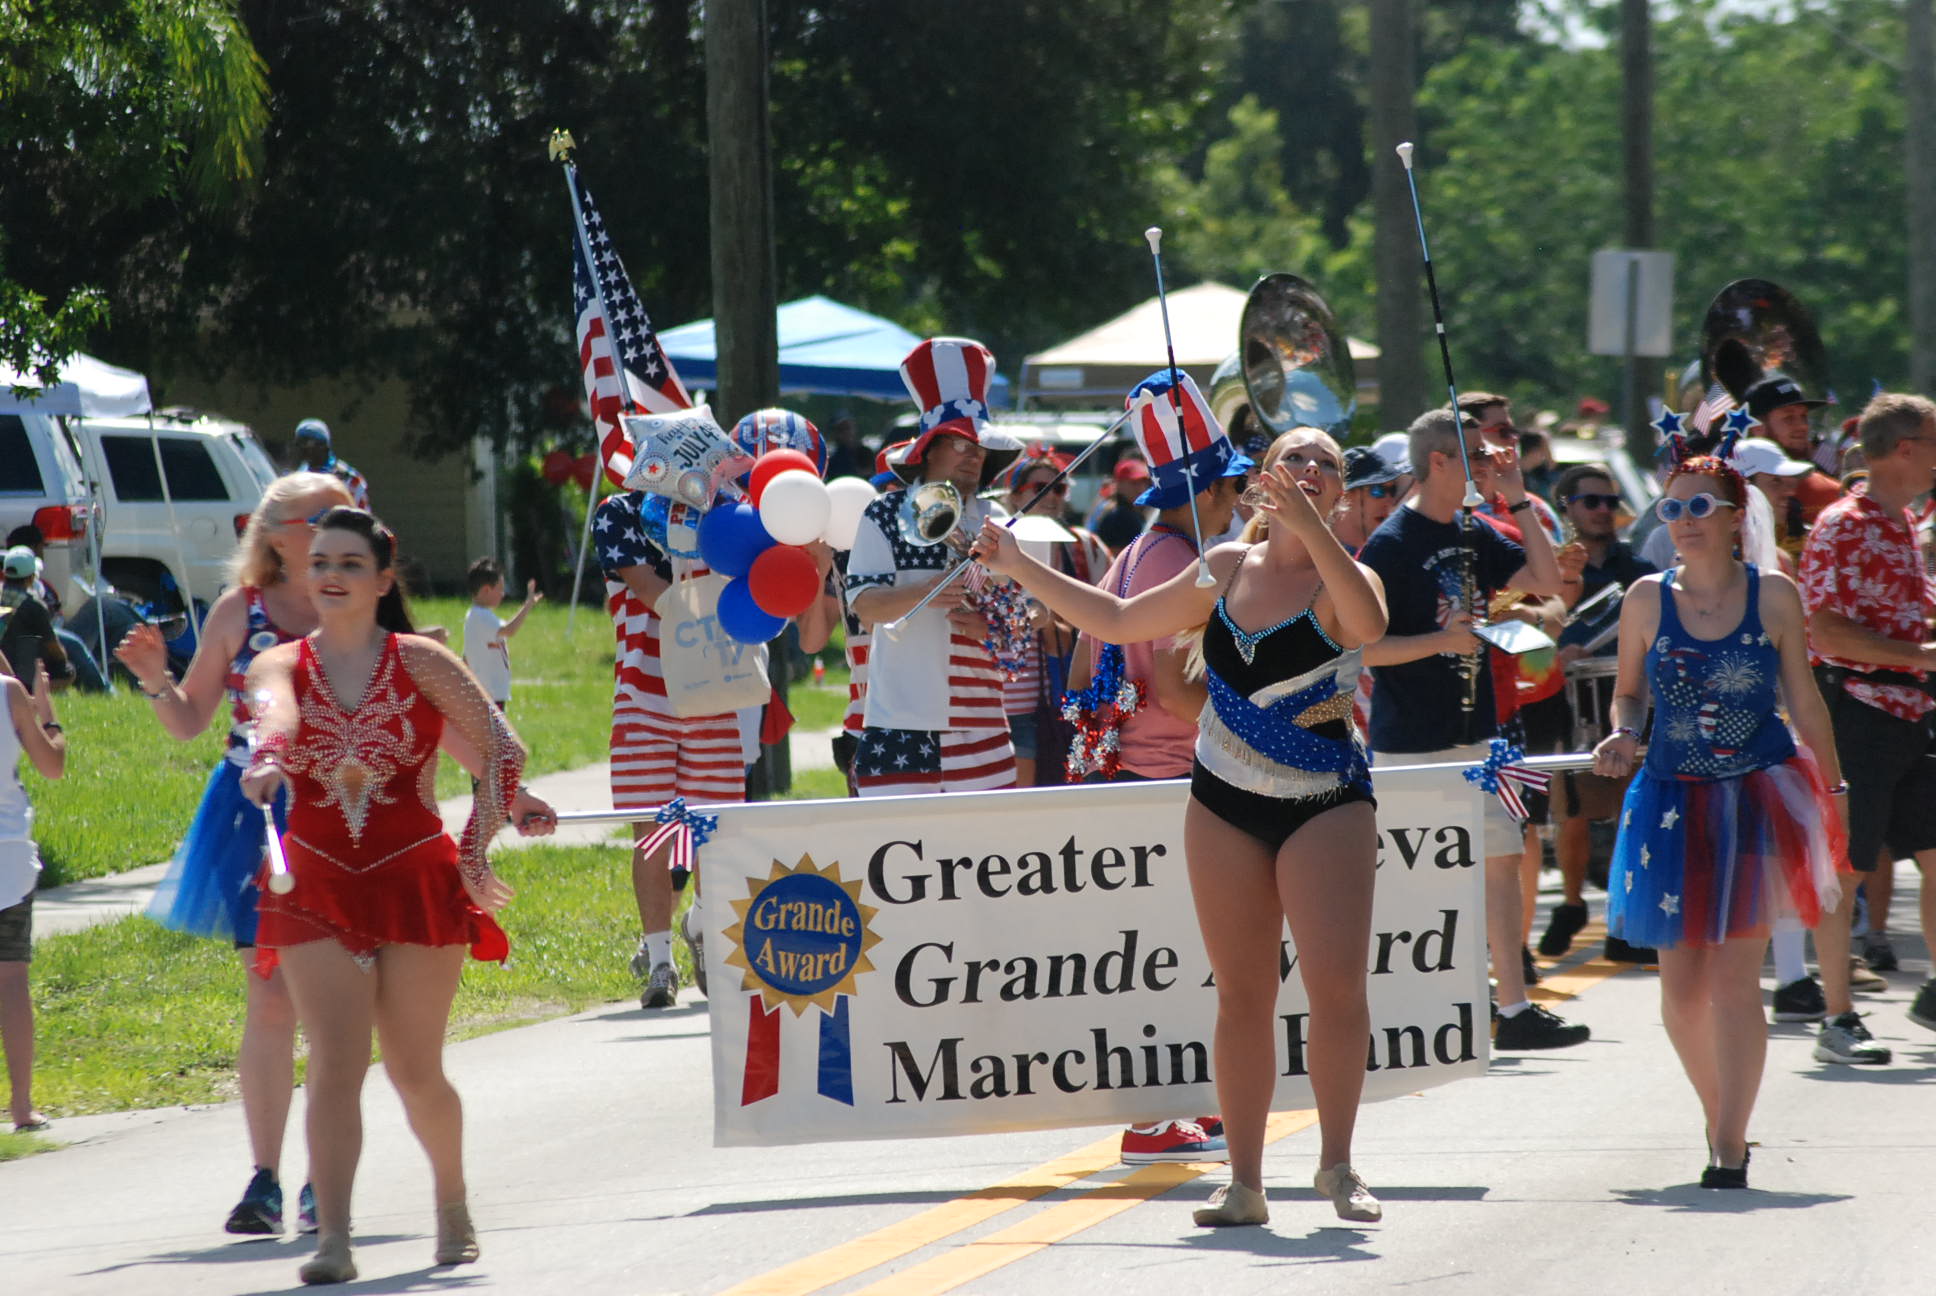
(762, 1076)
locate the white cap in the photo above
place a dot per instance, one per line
(1756, 455)
(21, 563)
(1395, 448)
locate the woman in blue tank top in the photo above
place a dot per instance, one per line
(1728, 829)
(1280, 823)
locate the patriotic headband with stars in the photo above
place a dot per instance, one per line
(1675, 442)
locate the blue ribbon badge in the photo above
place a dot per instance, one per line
(801, 937)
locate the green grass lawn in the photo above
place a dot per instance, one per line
(131, 790)
(131, 1015)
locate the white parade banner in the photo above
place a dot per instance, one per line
(979, 962)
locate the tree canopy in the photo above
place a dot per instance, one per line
(351, 190)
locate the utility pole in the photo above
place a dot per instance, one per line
(745, 280)
(1394, 119)
(1637, 153)
(1919, 184)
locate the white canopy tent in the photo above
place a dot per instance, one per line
(88, 388)
(1104, 363)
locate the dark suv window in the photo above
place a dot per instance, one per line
(192, 474)
(19, 472)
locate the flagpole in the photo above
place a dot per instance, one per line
(561, 150)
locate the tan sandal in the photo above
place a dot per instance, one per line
(456, 1236)
(1233, 1204)
(331, 1263)
(1348, 1194)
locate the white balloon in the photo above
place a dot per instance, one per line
(794, 507)
(850, 496)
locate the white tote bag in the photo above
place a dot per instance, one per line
(706, 670)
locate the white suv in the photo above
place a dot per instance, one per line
(216, 474)
(154, 547)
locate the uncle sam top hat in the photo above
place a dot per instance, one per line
(1185, 445)
(948, 379)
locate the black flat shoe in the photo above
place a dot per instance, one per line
(1715, 1176)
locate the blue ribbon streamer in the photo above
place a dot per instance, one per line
(837, 1054)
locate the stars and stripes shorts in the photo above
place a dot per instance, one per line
(904, 762)
(658, 757)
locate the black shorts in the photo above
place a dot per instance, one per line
(1891, 771)
(1544, 727)
(17, 932)
(1270, 820)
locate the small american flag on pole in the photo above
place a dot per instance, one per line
(654, 387)
(1716, 403)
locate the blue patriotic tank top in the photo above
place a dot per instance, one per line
(260, 636)
(1716, 704)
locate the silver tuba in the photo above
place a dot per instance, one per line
(930, 511)
(1296, 365)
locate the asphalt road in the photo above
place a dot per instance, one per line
(592, 1172)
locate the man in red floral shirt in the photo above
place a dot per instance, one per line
(1869, 604)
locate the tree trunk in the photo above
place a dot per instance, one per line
(1402, 389)
(1637, 151)
(1919, 167)
(745, 292)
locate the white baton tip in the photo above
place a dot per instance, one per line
(1155, 236)
(1405, 154)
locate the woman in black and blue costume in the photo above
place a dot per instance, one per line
(1281, 818)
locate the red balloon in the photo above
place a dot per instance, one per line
(584, 470)
(774, 462)
(557, 467)
(784, 581)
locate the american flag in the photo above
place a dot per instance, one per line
(654, 386)
(1716, 403)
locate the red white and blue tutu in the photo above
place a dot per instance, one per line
(1702, 861)
(210, 889)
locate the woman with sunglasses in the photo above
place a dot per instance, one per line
(1280, 823)
(1728, 829)
(1048, 650)
(210, 888)
(373, 933)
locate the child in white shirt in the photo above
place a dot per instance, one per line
(485, 637)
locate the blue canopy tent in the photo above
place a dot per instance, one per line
(826, 349)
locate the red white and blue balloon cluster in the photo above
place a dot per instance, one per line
(760, 503)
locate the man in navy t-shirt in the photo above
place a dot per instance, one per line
(1417, 681)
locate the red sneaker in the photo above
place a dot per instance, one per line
(1177, 1140)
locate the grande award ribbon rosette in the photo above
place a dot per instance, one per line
(800, 939)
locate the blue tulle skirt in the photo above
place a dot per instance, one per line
(1702, 862)
(210, 888)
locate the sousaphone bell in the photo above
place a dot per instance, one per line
(930, 512)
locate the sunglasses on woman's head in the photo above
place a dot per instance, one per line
(1695, 507)
(1594, 501)
(309, 521)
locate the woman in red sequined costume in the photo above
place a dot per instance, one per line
(373, 934)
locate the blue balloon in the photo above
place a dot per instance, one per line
(742, 618)
(731, 537)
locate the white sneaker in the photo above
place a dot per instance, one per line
(662, 988)
(696, 945)
(1845, 1039)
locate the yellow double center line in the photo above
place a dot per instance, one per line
(1044, 1228)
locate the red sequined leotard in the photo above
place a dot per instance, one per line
(366, 845)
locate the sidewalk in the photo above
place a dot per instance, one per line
(82, 904)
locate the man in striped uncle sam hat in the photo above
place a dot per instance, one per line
(1185, 445)
(948, 379)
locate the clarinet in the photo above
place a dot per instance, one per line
(1469, 601)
